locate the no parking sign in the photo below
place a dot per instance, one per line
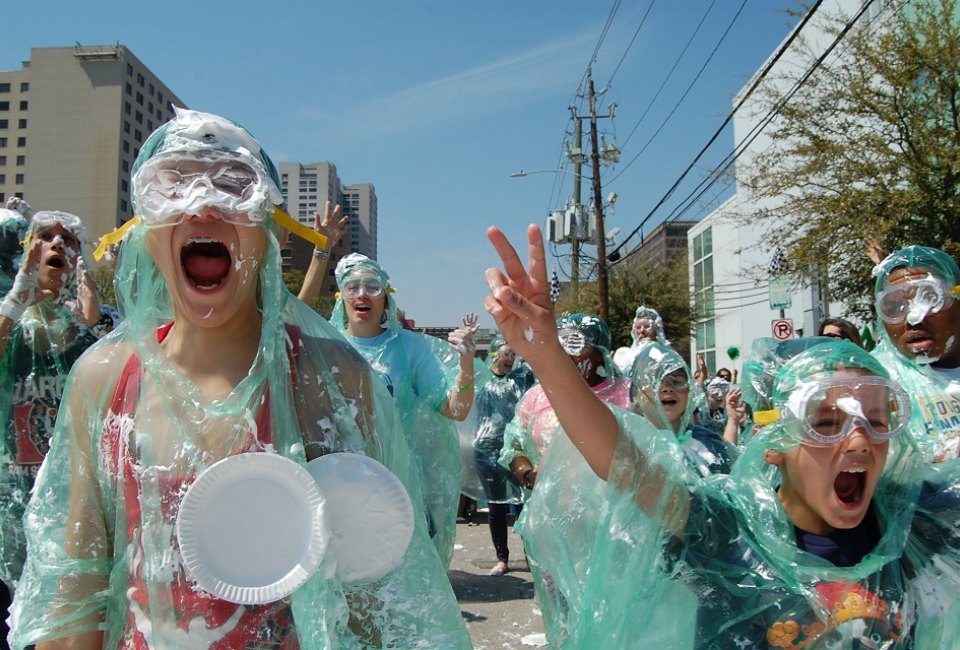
(782, 329)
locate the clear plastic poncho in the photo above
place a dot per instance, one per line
(623, 357)
(672, 559)
(135, 433)
(494, 405)
(13, 228)
(655, 364)
(936, 399)
(41, 349)
(420, 383)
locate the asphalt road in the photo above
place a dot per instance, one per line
(499, 610)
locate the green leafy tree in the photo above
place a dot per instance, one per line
(868, 146)
(294, 280)
(103, 276)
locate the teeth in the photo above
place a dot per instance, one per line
(203, 240)
(854, 470)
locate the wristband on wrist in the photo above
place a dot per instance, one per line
(12, 309)
(464, 389)
(321, 254)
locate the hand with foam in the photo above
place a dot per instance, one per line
(463, 339)
(25, 291)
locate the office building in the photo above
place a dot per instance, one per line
(72, 121)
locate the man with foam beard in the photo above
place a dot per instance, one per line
(40, 339)
(916, 297)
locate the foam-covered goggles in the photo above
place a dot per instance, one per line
(912, 300)
(829, 412)
(171, 186)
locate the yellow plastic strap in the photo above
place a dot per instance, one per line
(763, 418)
(113, 237)
(298, 229)
(956, 290)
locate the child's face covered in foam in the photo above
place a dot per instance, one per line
(60, 249)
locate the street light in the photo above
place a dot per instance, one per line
(521, 173)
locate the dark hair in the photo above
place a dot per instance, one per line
(847, 329)
(729, 374)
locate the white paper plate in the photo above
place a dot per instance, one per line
(251, 529)
(368, 513)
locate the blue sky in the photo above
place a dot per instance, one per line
(437, 102)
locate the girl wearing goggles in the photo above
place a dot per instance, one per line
(841, 546)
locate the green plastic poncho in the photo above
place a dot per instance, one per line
(41, 349)
(534, 424)
(706, 450)
(493, 408)
(661, 556)
(135, 432)
(936, 399)
(420, 383)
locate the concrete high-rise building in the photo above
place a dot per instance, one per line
(306, 189)
(72, 121)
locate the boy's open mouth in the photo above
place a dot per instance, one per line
(849, 485)
(56, 262)
(206, 262)
(363, 308)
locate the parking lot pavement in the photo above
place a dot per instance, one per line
(499, 610)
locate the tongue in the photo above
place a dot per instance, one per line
(206, 270)
(846, 486)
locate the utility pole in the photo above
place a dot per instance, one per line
(598, 207)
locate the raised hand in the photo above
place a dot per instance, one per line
(87, 308)
(463, 339)
(331, 225)
(519, 299)
(25, 291)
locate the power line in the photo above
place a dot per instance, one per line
(630, 45)
(758, 79)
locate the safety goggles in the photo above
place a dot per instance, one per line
(171, 186)
(676, 382)
(828, 413)
(913, 300)
(371, 287)
(573, 341)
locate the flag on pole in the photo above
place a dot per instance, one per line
(554, 286)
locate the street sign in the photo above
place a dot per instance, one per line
(782, 329)
(781, 296)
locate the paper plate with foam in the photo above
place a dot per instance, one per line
(368, 513)
(251, 528)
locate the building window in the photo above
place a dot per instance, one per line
(3, 143)
(23, 105)
(123, 205)
(126, 147)
(4, 88)
(140, 98)
(129, 70)
(3, 124)
(3, 160)
(21, 161)
(19, 179)
(4, 106)
(124, 186)
(149, 126)
(3, 197)
(3, 179)
(160, 98)
(22, 124)
(126, 126)
(129, 89)
(139, 117)
(24, 87)
(138, 135)
(125, 165)
(150, 107)
(703, 297)
(140, 79)
(151, 90)
(127, 108)
(21, 142)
